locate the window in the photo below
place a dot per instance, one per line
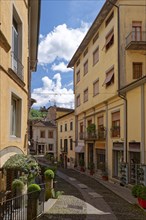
(109, 18)
(17, 45)
(136, 30)
(81, 131)
(65, 145)
(86, 95)
(115, 129)
(86, 67)
(96, 37)
(60, 128)
(137, 70)
(65, 127)
(71, 147)
(16, 104)
(89, 122)
(71, 125)
(50, 134)
(50, 147)
(109, 39)
(96, 56)
(78, 62)
(78, 76)
(78, 100)
(100, 122)
(96, 88)
(42, 134)
(85, 52)
(109, 80)
(61, 143)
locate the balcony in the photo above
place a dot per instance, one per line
(98, 135)
(17, 66)
(136, 40)
(64, 149)
(115, 131)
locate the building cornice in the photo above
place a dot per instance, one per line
(93, 29)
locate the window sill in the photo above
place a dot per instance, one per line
(16, 78)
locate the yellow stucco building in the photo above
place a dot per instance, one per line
(19, 30)
(66, 139)
(110, 90)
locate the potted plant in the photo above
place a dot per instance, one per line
(33, 195)
(82, 164)
(17, 187)
(141, 194)
(105, 175)
(49, 176)
(136, 190)
(92, 168)
(91, 129)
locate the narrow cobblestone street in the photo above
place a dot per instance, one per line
(86, 198)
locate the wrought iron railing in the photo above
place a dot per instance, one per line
(115, 131)
(16, 208)
(97, 135)
(17, 66)
(136, 37)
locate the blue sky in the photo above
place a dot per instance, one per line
(63, 25)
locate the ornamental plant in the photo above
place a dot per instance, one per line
(17, 185)
(49, 174)
(136, 190)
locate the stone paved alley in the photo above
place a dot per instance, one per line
(85, 198)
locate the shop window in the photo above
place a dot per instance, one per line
(137, 70)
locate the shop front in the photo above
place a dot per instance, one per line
(118, 155)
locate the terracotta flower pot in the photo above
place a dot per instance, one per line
(142, 203)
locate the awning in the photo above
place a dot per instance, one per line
(79, 149)
(108, 78)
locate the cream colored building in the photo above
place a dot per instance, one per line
(66, 139)
(110, 89)
(19, 30)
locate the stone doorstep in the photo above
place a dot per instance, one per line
(95, 195)
(82, 186)
(49, 204)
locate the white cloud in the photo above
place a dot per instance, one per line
(62, 67)
(53, 92)
(61, 43)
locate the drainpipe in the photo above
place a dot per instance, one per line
(122, 96)
(142, 124)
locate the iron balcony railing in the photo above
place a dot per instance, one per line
(136, 38)
(115, 131)
(17, 66)
(96, 135)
